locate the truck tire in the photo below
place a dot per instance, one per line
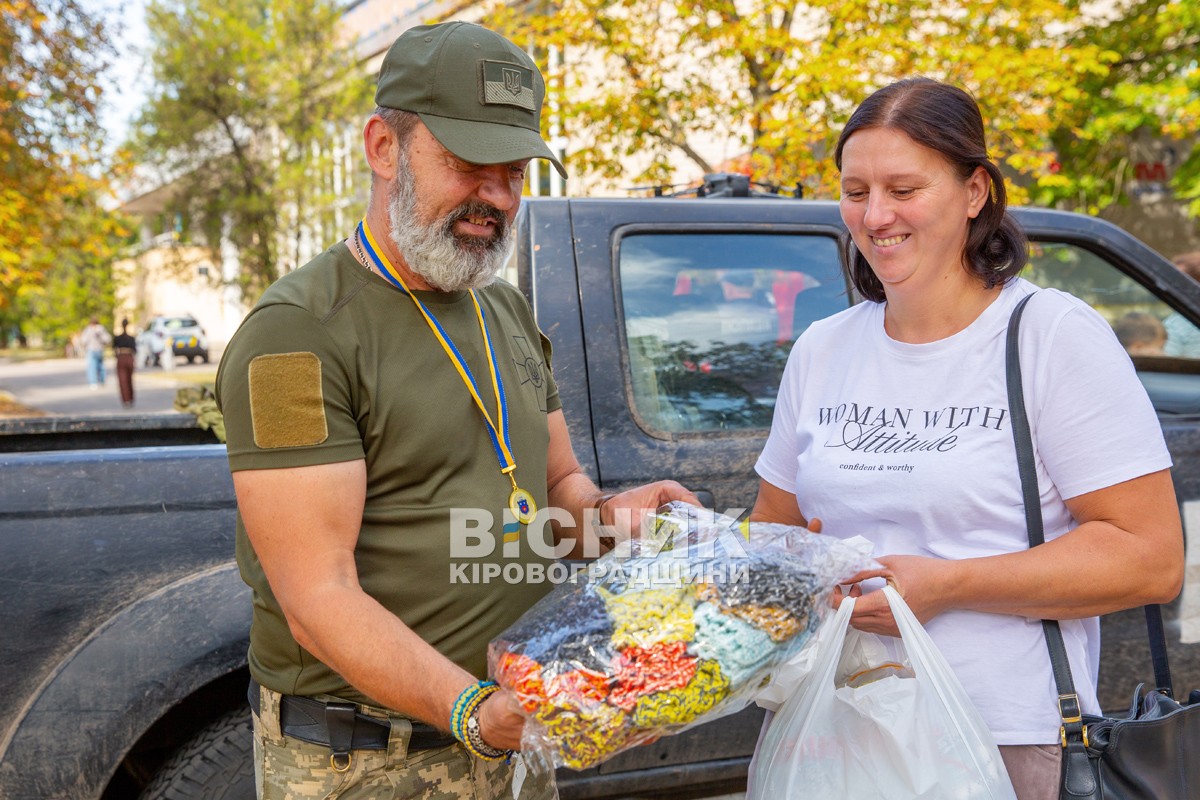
(217, 764)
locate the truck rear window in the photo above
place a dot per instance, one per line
(711, 317)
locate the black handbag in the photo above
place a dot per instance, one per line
(1153, 752)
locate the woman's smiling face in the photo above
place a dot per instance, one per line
(906, 208)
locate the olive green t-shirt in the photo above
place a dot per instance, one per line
(335, 364)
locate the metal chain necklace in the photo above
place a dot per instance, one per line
(362, 257)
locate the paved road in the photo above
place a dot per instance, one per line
(59, 387)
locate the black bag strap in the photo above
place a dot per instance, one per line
(1023, 439)
(1078, 780)
(1068, 701)
(1158, 649)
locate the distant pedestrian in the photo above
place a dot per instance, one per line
(93, 340)
(125, 349)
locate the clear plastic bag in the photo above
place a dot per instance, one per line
(878, 717)
(670, 631)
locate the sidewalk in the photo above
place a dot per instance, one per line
(59, 387)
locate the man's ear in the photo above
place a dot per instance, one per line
(380, 146)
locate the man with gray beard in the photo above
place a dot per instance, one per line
(446, 260)
(371, 399)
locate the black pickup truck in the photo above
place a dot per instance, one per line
(122, 650)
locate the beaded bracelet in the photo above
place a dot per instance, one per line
(477, 747)
(464, 721)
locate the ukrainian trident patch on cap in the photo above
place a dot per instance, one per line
(507, 84)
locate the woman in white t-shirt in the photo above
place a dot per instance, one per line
(892, 423)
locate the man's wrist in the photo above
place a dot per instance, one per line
(599, 504)
(464, 721)
(475, 742)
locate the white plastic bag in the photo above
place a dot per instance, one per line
(881, 718)
(787, 677)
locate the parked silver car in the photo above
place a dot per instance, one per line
(177, 336)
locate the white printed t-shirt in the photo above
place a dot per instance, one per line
(909, 445)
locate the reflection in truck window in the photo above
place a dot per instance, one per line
(1155, 336)
(1141, 334)
(1183, 338)
(1137, 316)
(710, 319)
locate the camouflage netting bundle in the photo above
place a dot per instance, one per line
(677, 629)
(200, 401)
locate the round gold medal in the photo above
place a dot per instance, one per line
(521, 503)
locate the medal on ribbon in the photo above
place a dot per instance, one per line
(520, 502)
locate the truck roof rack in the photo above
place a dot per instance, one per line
(729, 184)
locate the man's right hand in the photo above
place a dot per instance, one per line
(501, 721)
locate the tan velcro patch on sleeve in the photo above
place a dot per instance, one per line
(287, 405)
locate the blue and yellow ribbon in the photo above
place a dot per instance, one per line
(520, 501)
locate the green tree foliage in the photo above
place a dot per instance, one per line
(248, 97)
(779, 79)
(55, 237)
(80, 284)
(1152, 87)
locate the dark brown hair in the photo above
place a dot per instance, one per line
(946, 119)
(1188, 264)
(1138, 327)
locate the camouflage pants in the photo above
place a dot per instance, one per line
(286, 768)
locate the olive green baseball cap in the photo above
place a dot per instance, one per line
(478, 93)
